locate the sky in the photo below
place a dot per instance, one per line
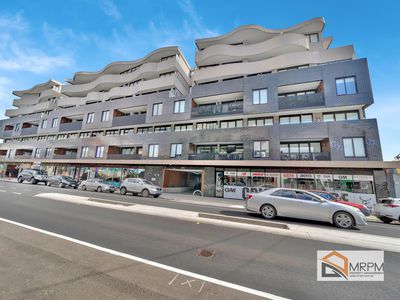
(54, 39)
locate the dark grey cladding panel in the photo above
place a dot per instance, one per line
(217, 88)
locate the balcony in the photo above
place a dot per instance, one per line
(27, 155)
(216, 156)
(124, 156)
(301, 101)
(29, 130)
(70, 126)
(65, 156)
(217, 109)
(7, 133)
(134, 119)
(306, 156)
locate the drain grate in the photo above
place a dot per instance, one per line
(206, 253)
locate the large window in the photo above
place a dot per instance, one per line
(105, 115)
(157, 109)
(260, 122)
(313, 38)
(341, 116)
(179, 107)
(297, 119)
(162, 128)
(47, 153)
(37, 152)
(141, 130)
(260, 96)
(99, 151)
(231, 124)
(176, 150)
(16, 129)
(260, 149)
(346, 86)
(54, 123)
(85, 152)
(354, 147)
(90, 118)
(299, 151)
(153, 150)
(183, 127)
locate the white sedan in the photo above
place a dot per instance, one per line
(303, 205)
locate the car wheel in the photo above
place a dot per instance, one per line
(343, 220)
(385, 220)
(111, 191)
(20, 180)
(122, 191)
(134, 194)
(60, 185)
(84, 187)
(145, 193)
(156, 196)
(268, 211)
(99, 189)
(33, 181)
(48, 183)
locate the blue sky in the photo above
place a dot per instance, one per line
(46, 39)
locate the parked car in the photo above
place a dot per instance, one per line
(98, 185)
(140, 186)
(115, 182)
(388, 210)
(34, 176)
(336, 198)
(301, 204)
(62, 181)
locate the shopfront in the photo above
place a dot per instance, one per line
(236, 183)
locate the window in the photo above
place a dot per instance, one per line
(47, 153)
(54, 123)
(313, 38)
(128, 151)
(144, 130)
(84, 135)
(176, 150)
(285, 193)
(340, 116)
(99, 151)
(260, 149)
(41, 138)
(354, 147)
(260, 96)
(231, 124)
(297, 119)
(183, 127)
(90, 118)
(62, 136)
(37, 152)
(17, 127)
(153, 150)
(207, 125)
(105, 115)
(162, 75)
(157, 109)
(179, 107)
(96, 133)
(162, 128)
(127, 131)
(346, 86)
(112, 132)
(85, 152)
(260, 122)
(44, 124)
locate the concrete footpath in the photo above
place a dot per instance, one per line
(34, 265)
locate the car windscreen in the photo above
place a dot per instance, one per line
(147, 182)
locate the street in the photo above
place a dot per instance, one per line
(278, 265)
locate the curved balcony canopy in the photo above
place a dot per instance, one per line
(37, 89)
(253, 34)
(280, 44)
(121, 66)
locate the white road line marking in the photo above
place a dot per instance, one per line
(16, 193)
(152, 263)
(2, 191)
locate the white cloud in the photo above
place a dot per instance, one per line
(110, 9)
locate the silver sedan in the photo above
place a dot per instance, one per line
(303, 205)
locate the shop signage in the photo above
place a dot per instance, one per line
(229, 173)
(305, 175)
(243, 174)
(258, 174)
(240, 192)
(324, 176)
(272, 174)
(363, 178)
(342, 177)
(289, 175)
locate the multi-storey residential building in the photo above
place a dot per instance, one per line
(262, 108)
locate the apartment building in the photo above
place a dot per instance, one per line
(262, 108)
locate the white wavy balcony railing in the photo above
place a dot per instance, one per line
(286, 43)
(117, 92)
(146, 70)
(274, 63)
(50, 93)
(24, 110)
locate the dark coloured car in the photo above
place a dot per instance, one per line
(33, 176)
(62, 181)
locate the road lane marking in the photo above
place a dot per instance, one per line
(2, 191)
(16, 193)
(152, 263)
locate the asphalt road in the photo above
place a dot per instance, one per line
(275, 264)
